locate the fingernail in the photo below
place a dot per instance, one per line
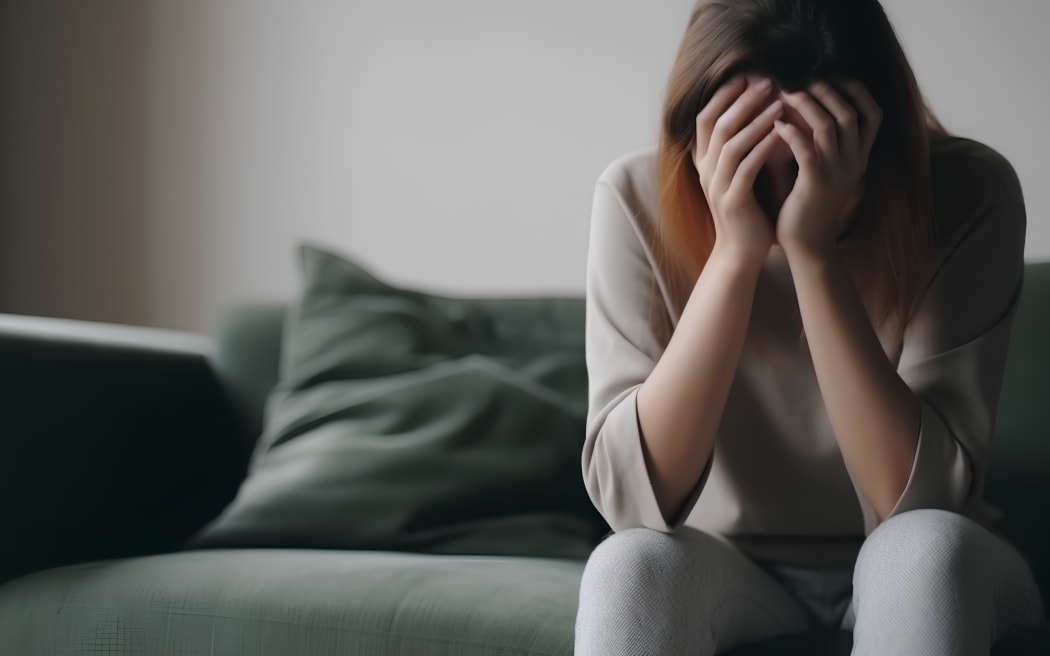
(763, 84)
(776, 107)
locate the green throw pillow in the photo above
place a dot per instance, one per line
(409, 421)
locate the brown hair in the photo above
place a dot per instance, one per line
(795, 42)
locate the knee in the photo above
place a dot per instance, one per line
(628, 562)
(919, 547)
(638, 596)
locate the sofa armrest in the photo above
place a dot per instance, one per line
(114, 441)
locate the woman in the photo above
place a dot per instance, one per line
(798, 312)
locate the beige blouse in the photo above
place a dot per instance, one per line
(777, 485)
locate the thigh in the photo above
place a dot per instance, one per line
(687, 592)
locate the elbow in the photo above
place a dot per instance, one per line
(941, 477)
(623, 496)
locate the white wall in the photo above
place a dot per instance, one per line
(452, 145)
(982, 65)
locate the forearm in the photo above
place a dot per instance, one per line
(873, 413)
(680, 405)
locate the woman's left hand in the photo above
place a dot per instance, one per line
(831, 163)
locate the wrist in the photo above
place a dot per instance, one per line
(807, 251)
(808, 261)
(739, 257)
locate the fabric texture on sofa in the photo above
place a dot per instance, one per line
(295, 603)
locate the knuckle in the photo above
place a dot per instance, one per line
(757, 91)
(705, 173)
(723, 128)
(730, 196)
(704, 121)
(739, 192)
(721, 132)
(732, 149)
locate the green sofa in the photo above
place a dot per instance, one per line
(120, 443)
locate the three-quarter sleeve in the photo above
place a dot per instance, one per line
(954, 348)
(623, 345)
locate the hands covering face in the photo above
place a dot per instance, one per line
(831, 161)
(806, 151)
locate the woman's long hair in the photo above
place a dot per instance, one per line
(795, 42)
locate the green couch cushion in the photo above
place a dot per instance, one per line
(114, 441)
(411, 421)
(296, 602)
(247, 353)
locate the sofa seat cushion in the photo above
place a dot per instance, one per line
(295, 602)
(317, 603)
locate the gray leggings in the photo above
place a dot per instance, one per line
(926, 583)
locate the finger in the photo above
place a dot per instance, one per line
(869, 110)
(801, 147)
(751, 166)
(843, 113)
(739, 114)
(720, 102)
(825, 130)
(737, 148)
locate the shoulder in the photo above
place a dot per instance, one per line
(970, 178)
(624, 209)
(978, 256)
(626, 259)
(956, 161)
(976, 195)
(635, 169)
(631, 178)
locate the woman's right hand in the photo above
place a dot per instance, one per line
(734, 138)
